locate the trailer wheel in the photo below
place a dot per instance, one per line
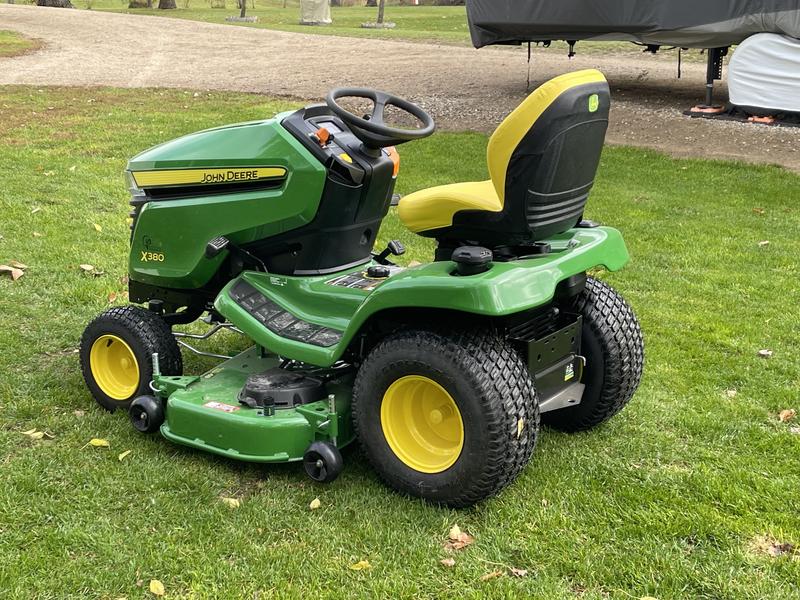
(612, 344)
(116, 354)
(448, 417)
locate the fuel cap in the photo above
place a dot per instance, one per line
(471, 260)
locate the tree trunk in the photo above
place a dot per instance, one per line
(381, 4)
(166, 4)
(243, 6)
(371, 3)
(55, 3)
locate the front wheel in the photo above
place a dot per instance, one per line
(448, 417)
(611, 342)
(116, 354)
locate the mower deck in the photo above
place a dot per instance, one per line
(205, 413)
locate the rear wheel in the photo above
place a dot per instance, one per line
(116, 354)
(612, 344)
(449, 417)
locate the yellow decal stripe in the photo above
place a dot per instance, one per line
(205, 176)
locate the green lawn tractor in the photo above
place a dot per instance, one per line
(440, 370)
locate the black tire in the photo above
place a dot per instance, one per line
(146, 413)
(322, 462)
(612, 344)
(145, 333)
(494, 394)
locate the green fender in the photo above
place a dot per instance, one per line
(505, 289)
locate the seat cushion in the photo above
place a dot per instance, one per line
(434, 208)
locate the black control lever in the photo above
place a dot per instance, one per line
(395, 248)
(217, 245)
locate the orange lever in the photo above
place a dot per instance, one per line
(324, 136)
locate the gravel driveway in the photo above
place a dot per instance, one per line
(463, 88)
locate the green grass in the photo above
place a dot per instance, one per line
(669, 499)
(13, 44)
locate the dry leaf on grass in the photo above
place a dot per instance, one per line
(36, 234)
(492, 575)
(361, 565)
(122, 455)
(17, 265)
(86, 267)
(98, 443)
(765, 353)
(763, 244)
(157, 588)
(787, 415)
(731, 393)
(457, 539)
(759, 211)
(13, 271)
(315, 504)
(448, 562)
(518, 572)
(231, 502)
(97, 228)
(35, 210)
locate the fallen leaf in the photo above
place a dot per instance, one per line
(13, 271)
(98, 443)
(759, 211)
(361, 565)
(414, 263)
(763, 244)
(448, 562)
(78, 413)
(30, 431)
(86, 267)
(72, 168)
(48, 173)
(97, 227)
(458, 539)
(157, 588)
(315, 504)
(765, 353)
(520, 426)
(36, 435)
(231, 502)
(17, 265)
(518, 572)
(545, 502)
(492, 575)
(36, 234)
(112, 297)
(787, 415)
(731, 393)
(648, 598)
(794, 430)
(122, 456)
(35, 210)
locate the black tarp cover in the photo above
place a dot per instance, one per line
(687, 23)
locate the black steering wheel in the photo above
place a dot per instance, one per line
(372, 129)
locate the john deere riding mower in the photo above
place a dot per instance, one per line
(440, 370)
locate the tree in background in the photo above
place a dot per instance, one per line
(166, 4)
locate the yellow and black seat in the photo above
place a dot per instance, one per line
(542, 162)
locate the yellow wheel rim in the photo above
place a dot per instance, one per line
(114, 367)
(422, 424)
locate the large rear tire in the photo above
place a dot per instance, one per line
(612, 344)
(116, 354)
(448, 417)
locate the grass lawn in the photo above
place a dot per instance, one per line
(688, 493)
(13, 44)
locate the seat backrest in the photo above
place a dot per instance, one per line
(543, 157)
